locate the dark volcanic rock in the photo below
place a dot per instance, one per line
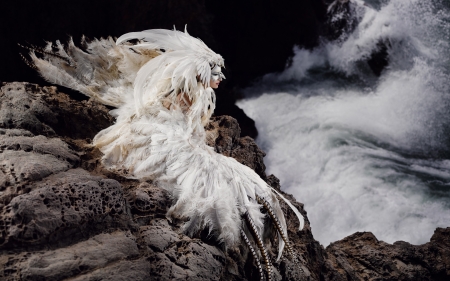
(362, 256)
(227, 141)
(45, 111)
(69, 203)
(25, 159)
(80, 258)
(59, 221)
(178, 257)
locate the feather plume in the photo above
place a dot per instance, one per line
(159, 85)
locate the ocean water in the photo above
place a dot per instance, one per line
(365, 153)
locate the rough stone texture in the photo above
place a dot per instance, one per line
(189, 260)
(45, 111)
(147, 198)
(124, 270)
(228, 142)
(97, 252)
(26, 158)
(63, 217)
(63, 204)
(158, 237)
(17, 140)
(362, 256)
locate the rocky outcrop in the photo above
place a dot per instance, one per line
(362, 256)
(64, 217)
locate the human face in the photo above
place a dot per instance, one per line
(215, 83)
(216, 77)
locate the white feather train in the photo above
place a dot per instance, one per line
(158, 136)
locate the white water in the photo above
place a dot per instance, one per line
(365, 153)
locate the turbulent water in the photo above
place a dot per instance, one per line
(365, 153)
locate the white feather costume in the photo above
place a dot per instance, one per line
(156, 135)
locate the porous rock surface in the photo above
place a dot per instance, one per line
(64, 217)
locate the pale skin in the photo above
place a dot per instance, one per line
(183, 98)
(215, 83)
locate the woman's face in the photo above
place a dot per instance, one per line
(216, 77)
(214, 83)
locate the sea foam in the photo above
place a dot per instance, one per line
(365, 153)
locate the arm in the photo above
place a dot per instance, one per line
(183, 101)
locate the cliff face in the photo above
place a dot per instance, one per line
(62, 216)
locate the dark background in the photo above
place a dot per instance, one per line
(254, 37)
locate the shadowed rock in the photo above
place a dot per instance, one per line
(97, 252)
(363, 257)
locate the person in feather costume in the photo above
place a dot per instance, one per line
(160, 83)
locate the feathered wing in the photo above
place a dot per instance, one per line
(186, 61)
(165, 143)
(118, 73)
(103, 70)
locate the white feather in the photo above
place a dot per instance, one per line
(155, 135)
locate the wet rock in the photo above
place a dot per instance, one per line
(343, 16)
(379, 58)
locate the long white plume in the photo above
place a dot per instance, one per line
(160, 87)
